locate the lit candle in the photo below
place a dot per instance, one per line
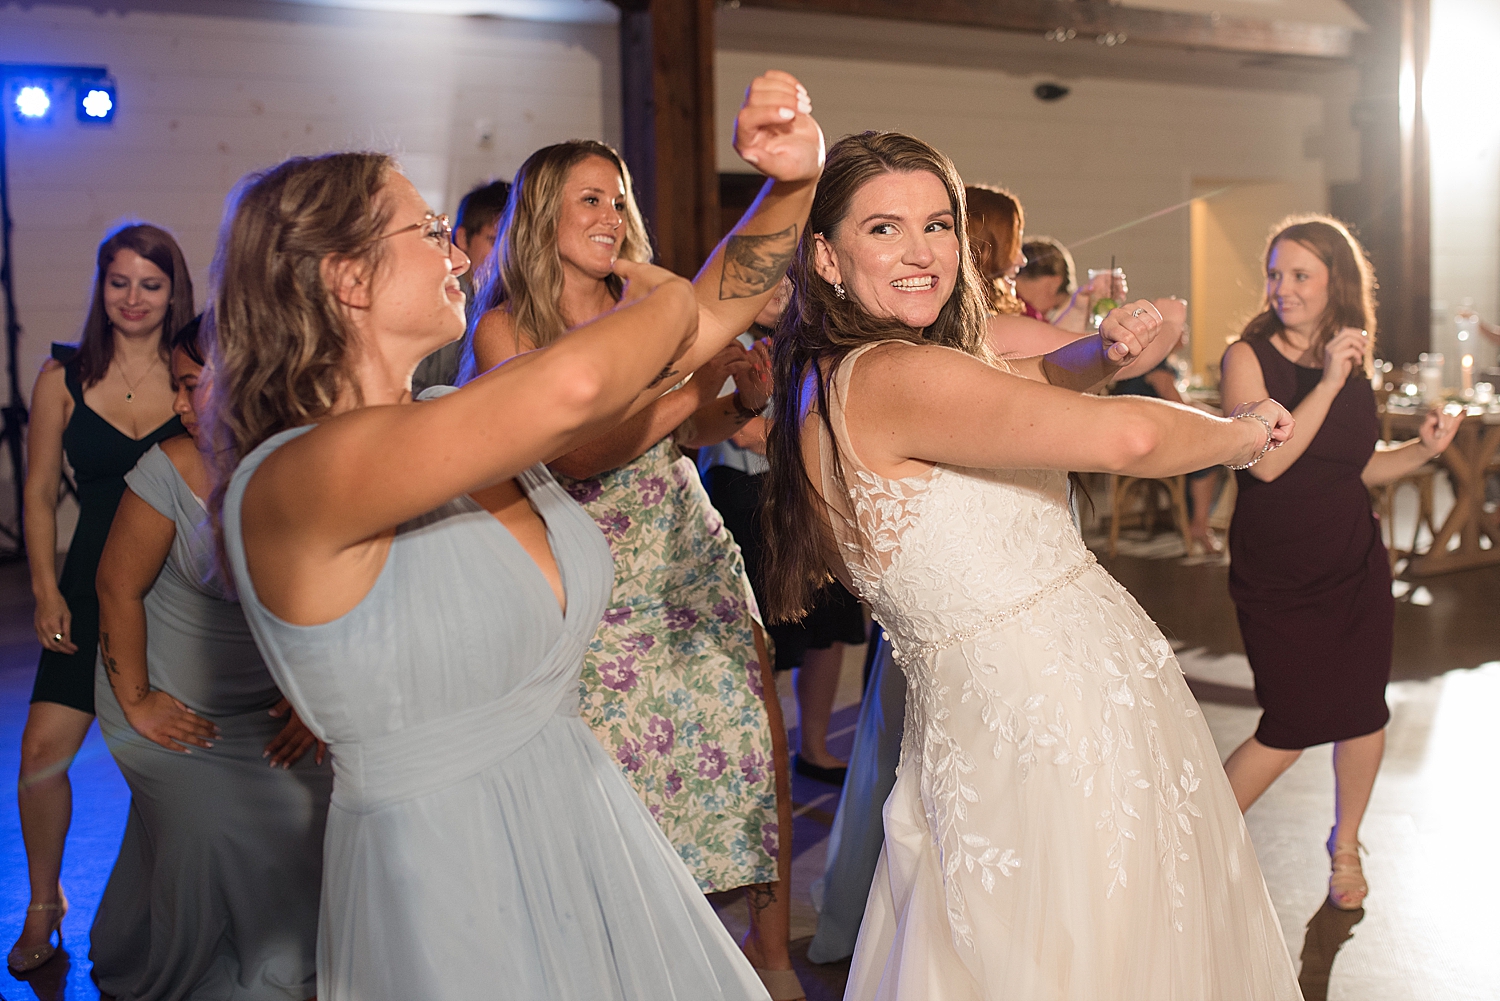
(1468, 375)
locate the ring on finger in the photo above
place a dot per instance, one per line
(1138, 312)
(57, 637)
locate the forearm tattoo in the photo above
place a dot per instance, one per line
(112, 667)
(754, 264)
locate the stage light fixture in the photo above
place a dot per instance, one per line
(32, 103)
(96, 102)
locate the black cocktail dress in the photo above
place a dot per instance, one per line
(100, 454)
(1309, 573)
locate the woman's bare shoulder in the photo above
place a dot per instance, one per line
(1241, 353)
(183, 451)
(51, 381)
(896, 358)
(497, 338)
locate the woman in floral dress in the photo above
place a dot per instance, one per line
(676, 680)
(673, 683)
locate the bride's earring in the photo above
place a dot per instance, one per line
(838, 289)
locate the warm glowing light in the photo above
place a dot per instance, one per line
(1406, 95)
(1461, 71)
(32, 102)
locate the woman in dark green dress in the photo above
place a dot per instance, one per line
(104, 404)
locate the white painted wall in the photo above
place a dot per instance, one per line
(1463, 80)
(204, 99)
(1110, 152)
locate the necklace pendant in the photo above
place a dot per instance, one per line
(129, 397)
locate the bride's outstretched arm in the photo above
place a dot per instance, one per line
(910, 405)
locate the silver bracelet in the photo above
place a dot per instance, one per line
(1270, 442)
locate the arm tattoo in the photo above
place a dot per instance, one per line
(760, 896)
(111, 666)
(754, 264)
(664, 374)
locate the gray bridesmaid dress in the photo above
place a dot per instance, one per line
(480, 842)
(215, 891)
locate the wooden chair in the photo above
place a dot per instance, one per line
(1121, 488)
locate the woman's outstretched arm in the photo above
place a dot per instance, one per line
(775, 133)
(695, 414)
(362, 473)
(914, 405)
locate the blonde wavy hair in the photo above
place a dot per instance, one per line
(278, 342)
(525, 273)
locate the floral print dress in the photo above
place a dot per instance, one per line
(672, 682)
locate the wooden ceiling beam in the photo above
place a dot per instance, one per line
(1098, 19)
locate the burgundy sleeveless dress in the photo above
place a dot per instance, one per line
(1309, 574)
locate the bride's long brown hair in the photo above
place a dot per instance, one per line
(817, 331)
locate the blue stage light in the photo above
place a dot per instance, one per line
(33, 103)
(96, 102)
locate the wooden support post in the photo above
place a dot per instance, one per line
(1390, 205)
(667, 89)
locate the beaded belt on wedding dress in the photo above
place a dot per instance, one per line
(998, 618)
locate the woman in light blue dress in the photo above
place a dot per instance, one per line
(424, 592)
(215, 891)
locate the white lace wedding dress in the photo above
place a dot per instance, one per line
(1061, 827)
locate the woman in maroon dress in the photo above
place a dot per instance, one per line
(1309, 573)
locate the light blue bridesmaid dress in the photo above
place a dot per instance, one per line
(215, 890)
(480, 843)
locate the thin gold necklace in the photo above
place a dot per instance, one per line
(130, 386)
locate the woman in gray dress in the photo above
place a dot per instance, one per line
(215, 892)
(424, 591)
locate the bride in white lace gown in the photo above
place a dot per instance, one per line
(1061, 827)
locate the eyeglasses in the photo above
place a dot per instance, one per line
(433, 227)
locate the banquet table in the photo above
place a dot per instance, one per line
(1468, 461)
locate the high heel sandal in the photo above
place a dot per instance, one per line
(1347, 888)
(25, 960)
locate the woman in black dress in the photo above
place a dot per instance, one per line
(104, 403)
(1309, 573)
